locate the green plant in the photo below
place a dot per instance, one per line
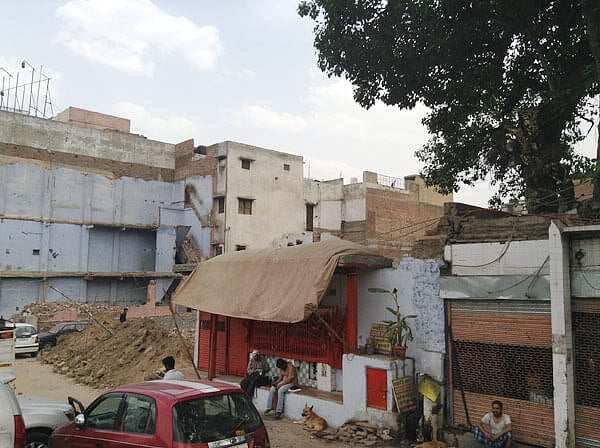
(397, 331)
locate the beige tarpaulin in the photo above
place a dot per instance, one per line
(278, 285)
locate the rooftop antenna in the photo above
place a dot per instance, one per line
(37, 87)
(5, 92)
(23, 64)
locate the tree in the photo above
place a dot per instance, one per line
(506, 82)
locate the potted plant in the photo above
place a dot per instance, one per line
(397, 330)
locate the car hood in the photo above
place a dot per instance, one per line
(37, 404)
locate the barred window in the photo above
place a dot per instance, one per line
(244, 206)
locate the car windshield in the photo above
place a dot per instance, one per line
(25, 331)
(56, 328)
(213, 418)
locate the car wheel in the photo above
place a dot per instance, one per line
(36, 440)
(34, 354)
(47, 345)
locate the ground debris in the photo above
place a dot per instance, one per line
(357, 433)
(132, 353)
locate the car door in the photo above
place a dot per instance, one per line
(118, 421)
(100, 427)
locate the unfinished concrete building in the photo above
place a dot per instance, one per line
(91, 212)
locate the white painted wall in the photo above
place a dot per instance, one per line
(508, 258)
(278, 206)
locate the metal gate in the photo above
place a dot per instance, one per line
(586, 342)
(502, 350)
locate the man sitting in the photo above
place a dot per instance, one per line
(495, 428)
(287, 379)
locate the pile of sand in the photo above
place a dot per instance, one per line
(111, 353)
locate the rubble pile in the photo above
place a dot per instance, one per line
(111, 353)
(358, 433)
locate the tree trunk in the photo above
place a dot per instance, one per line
(548, 183)
(591, 15)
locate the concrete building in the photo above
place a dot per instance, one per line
(90, 211)
(383, 212)
(258, 198)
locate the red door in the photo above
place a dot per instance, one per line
(376, 388)
(204, 342)
(237, 357)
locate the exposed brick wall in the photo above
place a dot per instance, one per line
(395, 222)
(188, 164)
(93, 119)
(111, 168)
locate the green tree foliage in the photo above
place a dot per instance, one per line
(506, 83)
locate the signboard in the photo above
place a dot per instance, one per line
(404, 394)
(380, 341)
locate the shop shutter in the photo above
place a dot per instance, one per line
(237, 358)
(204, 341)
(502, 350)
(586, 341)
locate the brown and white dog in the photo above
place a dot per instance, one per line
(433, 444)
(312, 421)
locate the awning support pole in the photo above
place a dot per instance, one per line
(352, 311)
(212, 347)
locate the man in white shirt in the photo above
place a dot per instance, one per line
(495, 428)
(171, 372)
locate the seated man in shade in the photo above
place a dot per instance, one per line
(495, 428)
(288, 378)
(257, 370)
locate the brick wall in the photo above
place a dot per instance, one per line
(395, 222)
(188, 164)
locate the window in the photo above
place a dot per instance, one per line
(140, 415)
(220, 204)
(35, 252)
(218, 250)
(246, 164)
(214, 418)
(239, 247)
(286, 167)
(244, 206)
(104, 414)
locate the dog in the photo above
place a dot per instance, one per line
(432, 444)
(311, 421)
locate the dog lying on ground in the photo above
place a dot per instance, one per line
(312, 421)
(433, 444)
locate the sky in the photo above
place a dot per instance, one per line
(212, 70)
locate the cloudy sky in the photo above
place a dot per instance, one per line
(241, 70)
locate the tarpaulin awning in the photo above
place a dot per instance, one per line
(278, 285)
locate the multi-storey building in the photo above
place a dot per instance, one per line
(90, 211)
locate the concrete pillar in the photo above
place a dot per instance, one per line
(562, 338)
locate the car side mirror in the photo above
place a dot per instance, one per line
(79, 420)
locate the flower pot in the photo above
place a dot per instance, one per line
(399, 351)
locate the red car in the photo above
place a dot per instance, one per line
(167, 414)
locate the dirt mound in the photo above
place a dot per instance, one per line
(110, 353)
